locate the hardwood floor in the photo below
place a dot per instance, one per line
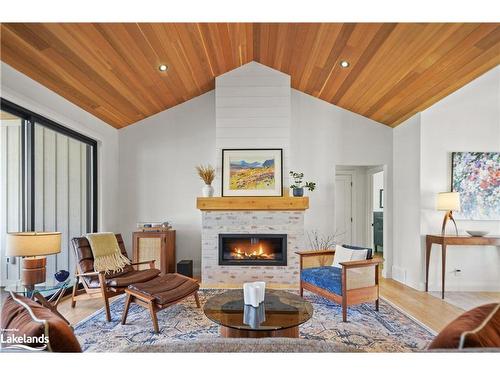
(469, 300)
(430, 310)
(82, 310)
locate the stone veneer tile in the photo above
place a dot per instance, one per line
(283, 222)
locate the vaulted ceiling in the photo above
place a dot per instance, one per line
(111, 70)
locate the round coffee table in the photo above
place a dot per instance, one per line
(279, 315)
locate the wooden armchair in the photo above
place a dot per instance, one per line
(101, 285)
(356, 282)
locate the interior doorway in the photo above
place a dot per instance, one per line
(343, 208)
(359, 206)
(377, 211)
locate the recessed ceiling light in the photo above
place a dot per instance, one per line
(344, 64)
(163, 68)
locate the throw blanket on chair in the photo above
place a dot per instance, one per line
(106, 251)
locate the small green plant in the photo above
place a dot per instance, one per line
(298, 181)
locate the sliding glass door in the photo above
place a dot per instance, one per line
(11, 186)
(60, 190)
(54, 187)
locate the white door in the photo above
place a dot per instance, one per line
(343, 208)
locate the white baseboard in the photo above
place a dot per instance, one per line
(399, 274)
(462, 287)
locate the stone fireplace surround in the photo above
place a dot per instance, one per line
(214, 222)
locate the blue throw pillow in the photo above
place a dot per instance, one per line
(369, 253)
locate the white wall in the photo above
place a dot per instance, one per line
(252, 111)
(467, 120)
(323, 136)
(407, 255)
(158, 180)
(23, 91)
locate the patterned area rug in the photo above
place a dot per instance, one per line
(388, 330)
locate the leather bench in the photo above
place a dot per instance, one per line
(159, 293)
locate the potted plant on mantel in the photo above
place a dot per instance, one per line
(299, 185)
(207, 174)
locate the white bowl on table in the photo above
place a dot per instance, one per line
(477, 233)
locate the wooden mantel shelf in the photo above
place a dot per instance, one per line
(252, 203)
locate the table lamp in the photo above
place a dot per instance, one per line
(33, 246)
(448, 202)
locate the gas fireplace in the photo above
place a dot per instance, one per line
(252, 249)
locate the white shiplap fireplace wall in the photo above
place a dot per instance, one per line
(253, 110)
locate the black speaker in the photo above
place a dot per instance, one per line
(185, 267)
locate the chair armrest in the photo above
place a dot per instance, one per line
(150, 262)
(95, 273)
(143, 262)
(362, 263)
(313, 253)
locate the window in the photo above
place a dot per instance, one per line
(48, 183)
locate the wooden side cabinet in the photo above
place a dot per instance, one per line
(159, 246)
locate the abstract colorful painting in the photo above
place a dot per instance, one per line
(476, 176)
(252, 172)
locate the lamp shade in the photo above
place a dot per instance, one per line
(27, 244)
(448, 201)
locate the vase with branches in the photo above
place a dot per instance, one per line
(207, 174)
(321, 242)
(299, 184)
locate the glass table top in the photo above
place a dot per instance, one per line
(280, 310)
(48, 286)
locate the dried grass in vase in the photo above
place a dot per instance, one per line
(206, 173)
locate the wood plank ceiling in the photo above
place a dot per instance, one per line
(111, 70)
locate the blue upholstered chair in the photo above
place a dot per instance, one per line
(347, 282)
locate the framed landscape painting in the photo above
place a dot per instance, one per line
(476, 176)
(252, 172)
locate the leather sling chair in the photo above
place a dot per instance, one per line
(101, 285)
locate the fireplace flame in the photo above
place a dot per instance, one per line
(258, 253)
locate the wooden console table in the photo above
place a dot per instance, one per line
(444, 241)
